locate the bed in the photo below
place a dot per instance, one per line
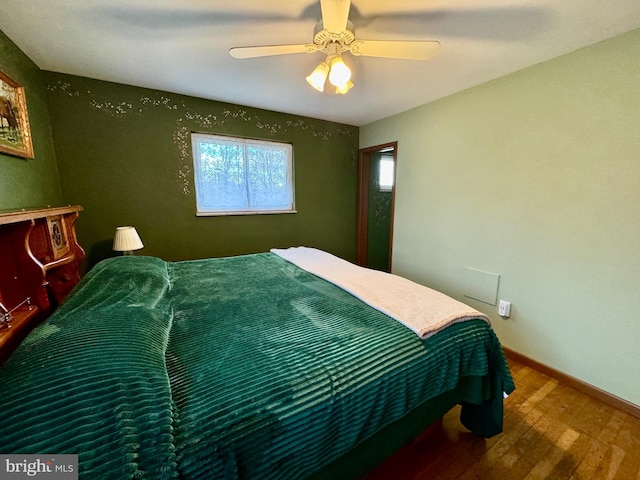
(245, 367)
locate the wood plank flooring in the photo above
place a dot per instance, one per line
(551, 431)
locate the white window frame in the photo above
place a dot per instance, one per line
(197, 139)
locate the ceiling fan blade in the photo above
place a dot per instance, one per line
(335, 14)
(408, 50)
(268, 50)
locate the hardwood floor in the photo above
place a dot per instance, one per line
(551, 431)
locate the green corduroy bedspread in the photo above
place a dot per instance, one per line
(243, 367)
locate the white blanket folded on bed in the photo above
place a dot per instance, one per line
(422, 309)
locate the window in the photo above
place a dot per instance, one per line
(385, 173)
(242, 176)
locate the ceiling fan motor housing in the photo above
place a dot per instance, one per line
(323, 37)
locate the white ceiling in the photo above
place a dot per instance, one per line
(181, 46)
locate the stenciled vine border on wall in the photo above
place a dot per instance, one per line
(187, 119)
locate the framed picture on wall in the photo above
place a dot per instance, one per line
(58, 236)
(15, 135)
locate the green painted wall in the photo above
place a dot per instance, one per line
(124, 153)
(29, 183)
(535, 176)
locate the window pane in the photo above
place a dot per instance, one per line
(385, 179)
(268, 177)
(222, 177)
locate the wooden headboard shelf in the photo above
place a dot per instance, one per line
(39, 265)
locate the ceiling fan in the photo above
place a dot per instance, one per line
(333, 35)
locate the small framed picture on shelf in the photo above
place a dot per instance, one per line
(15, 134)
(58, 236)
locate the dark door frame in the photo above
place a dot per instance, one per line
(364, 170)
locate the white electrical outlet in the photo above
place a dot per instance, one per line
(504, 308)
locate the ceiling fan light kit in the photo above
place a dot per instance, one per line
(334, 35)
(335, 69)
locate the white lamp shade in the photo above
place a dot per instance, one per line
(344, 88)
(126, 239)
(319, 76)
(340, 74)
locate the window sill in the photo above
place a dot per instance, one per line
(255, 212)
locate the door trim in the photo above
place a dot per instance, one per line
(364, 169)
